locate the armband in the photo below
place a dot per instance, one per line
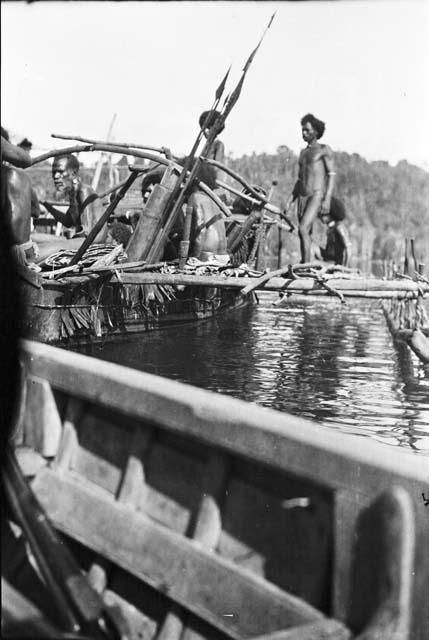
(332, 173)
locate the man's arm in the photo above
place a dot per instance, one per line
(35, 208)
(154, 176)
(15, 155)
(328, 161)
(296, 188)
(65, 218)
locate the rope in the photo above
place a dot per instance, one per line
(92, 254)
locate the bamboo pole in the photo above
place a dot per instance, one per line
(128, 145)
(102, 221)
(97, 173)
(354, 288)
(82, 148)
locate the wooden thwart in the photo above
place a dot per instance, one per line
(172, 564)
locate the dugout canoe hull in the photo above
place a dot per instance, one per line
(201, 516)
(92, 309)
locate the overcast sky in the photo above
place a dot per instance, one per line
(362, 67)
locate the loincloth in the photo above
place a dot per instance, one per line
(304, 202)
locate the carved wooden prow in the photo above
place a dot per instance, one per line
(383, 569)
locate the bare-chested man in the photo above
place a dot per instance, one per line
(315, 183)
(19, 200)
(13, 153)
(85, 208)
(208, 236)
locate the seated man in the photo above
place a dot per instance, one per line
(85, 207)
(338, 244)
(119, 233)
(208, 237)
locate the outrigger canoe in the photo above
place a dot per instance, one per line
(80, 303)
(194, 515)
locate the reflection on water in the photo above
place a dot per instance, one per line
(323, 360)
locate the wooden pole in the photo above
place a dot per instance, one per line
(280, 247)
(366, 288)
(100, 162)
(184, 244)
(128, 145)
(102, 221)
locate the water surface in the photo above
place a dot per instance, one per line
(333, 363)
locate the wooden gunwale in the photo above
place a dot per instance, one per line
(353, 470)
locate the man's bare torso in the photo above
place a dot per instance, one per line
(211, 239)
(312, 169)
(19, 202)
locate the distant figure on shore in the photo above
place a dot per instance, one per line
(315, 183)
(85, 208)
(338, 244)
(19, 199)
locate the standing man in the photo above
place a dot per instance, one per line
(85, 207)
(315, 183)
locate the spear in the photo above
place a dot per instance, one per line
(170, 218)
(212, 134)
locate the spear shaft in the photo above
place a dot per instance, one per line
(212, 134)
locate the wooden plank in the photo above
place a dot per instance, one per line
(130, 490)
(283, 441)
(174, 479)
(291, 547)
(42, 422)
(346, 511)
(355, 468)
(202, 582)
(21, 618)
(133, 481)
(274, 284)
(205, 530)
(104, 442)
(384, 559)
(68, 446)
(321, 630)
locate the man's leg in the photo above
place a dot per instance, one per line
(311, 210)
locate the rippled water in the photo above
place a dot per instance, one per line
(333, 363)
